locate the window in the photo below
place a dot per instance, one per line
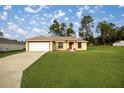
(60, 44)
(79, 45)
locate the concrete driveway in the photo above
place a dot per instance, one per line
(12, 67)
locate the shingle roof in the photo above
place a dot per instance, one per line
(62, 38)
(55, 38)
(39, 38)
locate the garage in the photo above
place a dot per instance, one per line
(38, 46)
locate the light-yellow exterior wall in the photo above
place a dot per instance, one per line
(50, 46)
(64, 46)
(75, 45)
(54, 46)
(27, 46)
(83, 44)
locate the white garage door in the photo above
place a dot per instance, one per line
(39, 46)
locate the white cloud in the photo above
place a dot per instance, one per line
(2, 30)
(31, 10)
(6, 35)
(21, 31)
(17, 37)
(91, 11)
(32, 22)
(80, 11)
(47, 15)
(94, 9)
(44, 6)
(7, 7)
(42, 18)
(36, 30)
(19, 18)
(28, 27)
(10, 36)
(4, 13)
(111, 16)
(59, 14)
(121, 6)
(98, 6)
(51, 21)
(77, 34)
(106, 18)
(36, 17)
(69, 10)
(3, 16)
(76, 24)
(19, 11)
(43, 23)
(39, 30)
(15, 28)
(97, 20)
(66, 18)
(12, 26)
(55, 15)
(86, 7)
(123, 15)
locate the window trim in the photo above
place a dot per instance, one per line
(60, 47)
(80, 45)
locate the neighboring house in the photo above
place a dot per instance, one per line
(8, 45)
(120, 43)
(42, 43)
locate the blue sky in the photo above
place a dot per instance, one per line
(21, 21)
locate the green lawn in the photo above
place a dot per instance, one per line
(97, 67)
(7, 53)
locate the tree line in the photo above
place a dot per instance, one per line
(108, 32)
(1, 34)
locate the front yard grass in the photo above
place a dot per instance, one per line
(99, 67)
(7, 53)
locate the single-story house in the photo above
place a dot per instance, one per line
(43, 43)
(9, 45)
(119, 43)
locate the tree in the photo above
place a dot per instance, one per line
(86, 25)
(120, 33)
(81, 33)
(112, 33)
(63, 28)
(1, 34)
(70, 31)
(103, 28)
(55, 28)
(91, 38)
(98, 40)
(108, 32)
